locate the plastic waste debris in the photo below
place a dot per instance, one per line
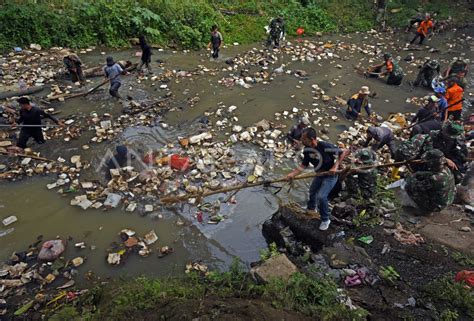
(51, 250)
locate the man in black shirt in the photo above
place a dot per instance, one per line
(31, 115)
(322, 156)
(146, 55)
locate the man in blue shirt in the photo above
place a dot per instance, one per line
(112, 72)
(321, 155)
(442, 102)
(357, 102)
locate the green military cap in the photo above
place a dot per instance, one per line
(366, 155)
(434, 157)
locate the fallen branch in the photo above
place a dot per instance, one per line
(176, 199)
(27, 156)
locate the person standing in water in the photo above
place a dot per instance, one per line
(216, 42)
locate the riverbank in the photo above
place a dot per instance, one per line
(186, 24)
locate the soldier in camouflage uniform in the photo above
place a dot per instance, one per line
(449, 140)
(362, 184)
(432, 189)
(277, 31)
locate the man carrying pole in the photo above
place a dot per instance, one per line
(322, 155)
(30, 117)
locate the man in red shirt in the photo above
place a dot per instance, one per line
(423, 29)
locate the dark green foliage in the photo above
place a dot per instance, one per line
(186, 23)
(451, 297)
(125, 299)
(311, 296)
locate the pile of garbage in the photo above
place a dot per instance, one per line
(38, 272)
(30, 67)
(262, 60)
(131, 243)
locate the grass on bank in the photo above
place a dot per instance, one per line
(123, 300)
(186, 23)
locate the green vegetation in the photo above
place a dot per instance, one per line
(442, 8)
(312, 297)
(389, 273)
(162, 298)
(463, 259)
(269, 252)
(450, 297)
(186, 23)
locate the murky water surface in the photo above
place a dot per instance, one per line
(43, 212)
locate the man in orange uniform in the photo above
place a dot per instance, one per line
(454, 96)
(423, 29)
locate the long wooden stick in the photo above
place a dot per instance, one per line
(43, 125)
(176, 199)
(28, 156)
(68, 96)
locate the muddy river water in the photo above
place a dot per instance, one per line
(44, 212)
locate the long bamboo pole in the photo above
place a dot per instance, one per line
(28, 156)
(176, 199)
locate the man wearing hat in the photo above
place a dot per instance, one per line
(112, 72)
(73, 65)
(294, 136)
(357, 102)
(432, 189)
(426, 119)
(427, 73)
(450, 140)
(31, 115)
(362, 183)
(458, 69)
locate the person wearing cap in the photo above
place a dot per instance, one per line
(450, 140)
(424, 28)
(426, 119)
(325, 157)
(427, 73)
(458, 67)
(112, 72)
(392, 70)
(440, 91)
(381, 136)
(357, 102)
(454, 96)
(294, 136)
(74, 66)
(432, 188)
(31, 115)
(362, 184)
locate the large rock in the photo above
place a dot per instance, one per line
(305, 228)
(343, 254)
(275, 267)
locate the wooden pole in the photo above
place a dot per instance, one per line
(27, 156)
(68, 96)
(177, 199)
